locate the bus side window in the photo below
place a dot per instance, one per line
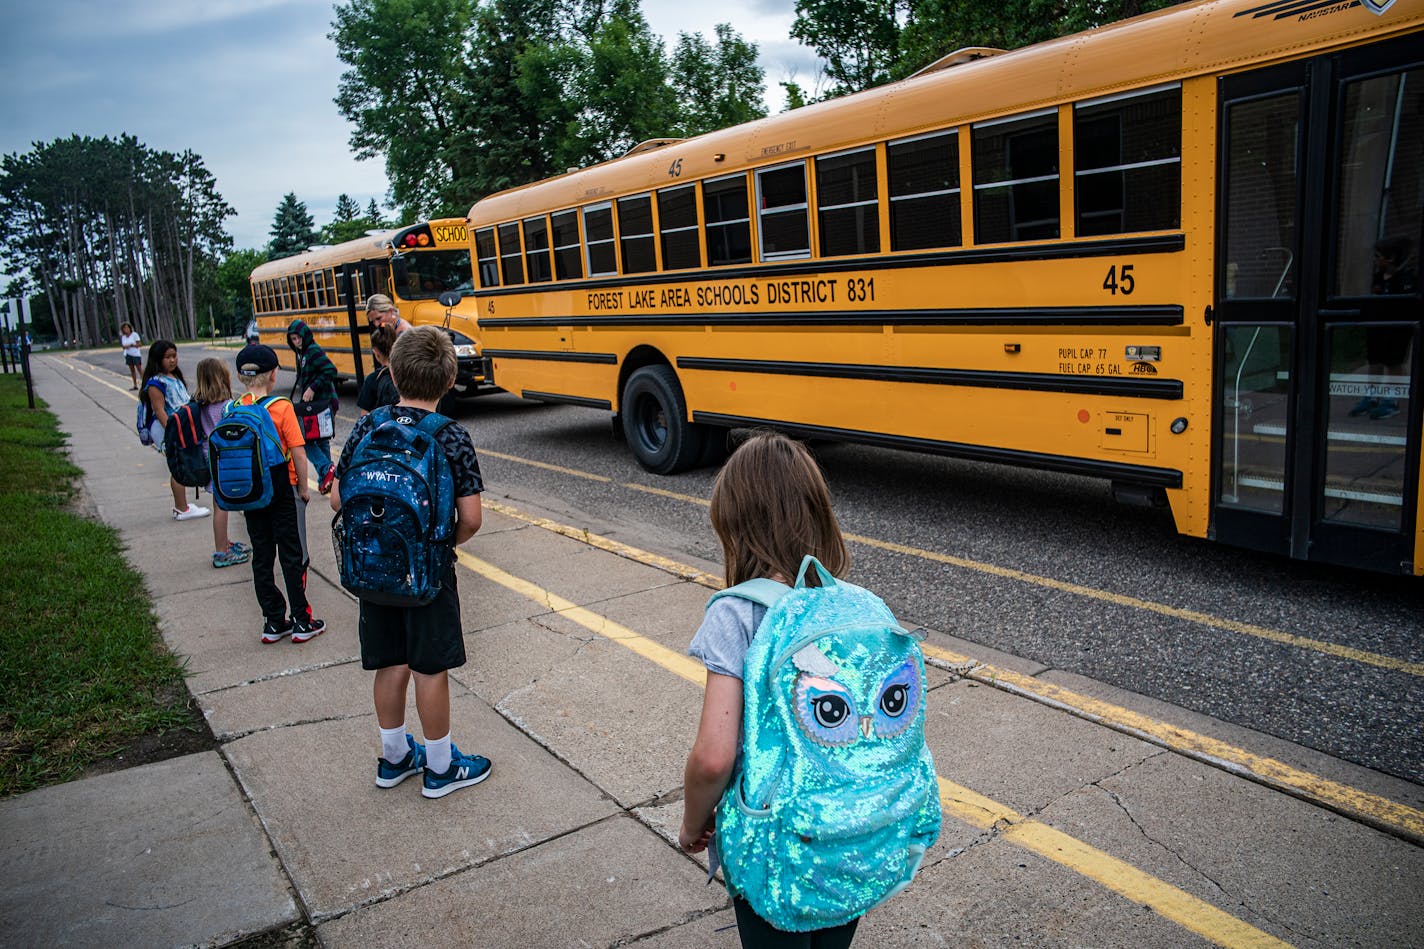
(1016, 178)
(785, 232)
(1127, 157)
(923, 184)
(536, 249)
(848, 202)
(511, 255)
(677, 219)
(729, 231)
(487, 260)
(568, 263)
(635, 234)
(598, 233)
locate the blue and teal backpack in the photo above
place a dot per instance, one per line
(835, 801)
(395, 532)
(243, 448)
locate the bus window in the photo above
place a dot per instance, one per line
(729, 230)
(785, 233)
(485, 255)
(1382, 176)
(635, 234)
(598, 232)
(567, 262)
(1016, 178)
(1261, 197)
(536, 249)
(924, 191)
(677, 219)
(511, 260)
(1127, 162)
(847, 201)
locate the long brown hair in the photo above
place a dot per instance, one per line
(771, 507)
(214, 383)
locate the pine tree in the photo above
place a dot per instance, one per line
(346, 209)
(373, 215)
(293, 229)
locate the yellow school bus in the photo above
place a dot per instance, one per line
(1178, 253)
(412, 265)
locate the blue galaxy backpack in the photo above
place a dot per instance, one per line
(243, 448)
(394, 535)
(835, 801)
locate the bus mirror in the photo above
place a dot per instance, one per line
(449, 298)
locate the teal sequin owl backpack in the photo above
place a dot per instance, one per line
(835, 801)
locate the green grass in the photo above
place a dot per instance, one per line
(82, 667)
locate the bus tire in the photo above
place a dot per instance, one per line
(655, 424)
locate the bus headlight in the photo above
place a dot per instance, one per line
(464, 346)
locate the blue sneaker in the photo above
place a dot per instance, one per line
(389, 775)
(464, 771)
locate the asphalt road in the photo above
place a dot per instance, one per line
(1016, 533)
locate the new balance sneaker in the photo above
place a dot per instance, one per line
(305, 629)
(193, 511)
(231, 557)
(327, 477)
(464, 771)
(273, 633)
(238, 547)
(389, 775)
(1388, 408)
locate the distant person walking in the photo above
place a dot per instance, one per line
(133, 357)
(165, 390)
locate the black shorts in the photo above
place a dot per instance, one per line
(132, 360)
(426, 638)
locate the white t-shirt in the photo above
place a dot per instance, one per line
(130, 344)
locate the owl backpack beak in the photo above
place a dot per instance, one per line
(866, 725)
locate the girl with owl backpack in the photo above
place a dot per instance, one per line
(809, 778)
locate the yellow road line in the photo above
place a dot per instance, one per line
(1008, 573)
(1380, 812)
(1166, 900)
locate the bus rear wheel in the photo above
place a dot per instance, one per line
(655, 423)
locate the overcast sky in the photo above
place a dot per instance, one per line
(248, 85)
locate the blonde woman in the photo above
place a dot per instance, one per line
(382, 312)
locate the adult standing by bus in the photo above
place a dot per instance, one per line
(382, 312)
(133, 358)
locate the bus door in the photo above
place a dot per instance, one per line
(1316, 440)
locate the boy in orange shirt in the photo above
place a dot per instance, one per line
(278, 531)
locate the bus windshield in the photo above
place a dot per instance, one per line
(432, 272)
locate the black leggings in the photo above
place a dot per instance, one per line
(757, 933)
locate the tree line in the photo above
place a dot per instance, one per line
(108, 231)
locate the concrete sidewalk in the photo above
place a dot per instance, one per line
(1062, 833)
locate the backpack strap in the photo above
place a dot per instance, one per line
(433, 424)
(761, 590)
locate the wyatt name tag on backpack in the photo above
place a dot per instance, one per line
(836, 801)
(394, 535)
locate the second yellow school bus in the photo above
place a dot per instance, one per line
(1179, 253)
(412, 265)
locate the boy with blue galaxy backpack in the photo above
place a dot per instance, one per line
(407, 492)
(809, 776)
(259, 464)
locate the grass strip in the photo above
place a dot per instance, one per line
(82, 667)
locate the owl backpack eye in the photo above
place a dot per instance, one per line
(825, 711)
(830, 710)
(899, 699)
